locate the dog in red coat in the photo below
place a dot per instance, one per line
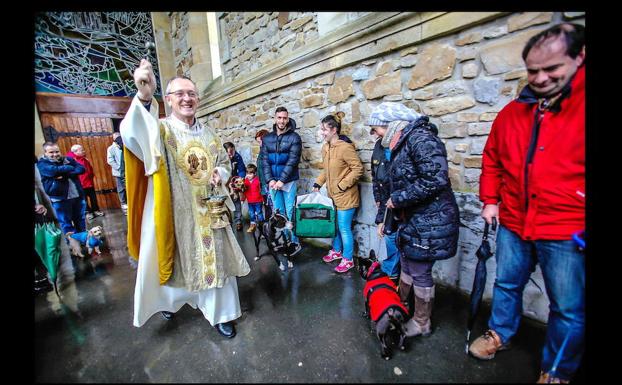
(383, 305)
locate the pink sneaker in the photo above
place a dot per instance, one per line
(332, 256)
(345, 265)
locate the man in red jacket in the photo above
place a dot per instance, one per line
(533, 183)
(87, 181)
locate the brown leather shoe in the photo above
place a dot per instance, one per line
(238, 227)
(545, 378)
(251, 228)
(485, 346)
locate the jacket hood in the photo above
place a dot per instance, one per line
(291, 126)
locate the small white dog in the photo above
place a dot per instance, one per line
(91, 239)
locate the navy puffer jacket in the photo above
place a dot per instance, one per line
(280, 154)
(420, 187)
(55, 176)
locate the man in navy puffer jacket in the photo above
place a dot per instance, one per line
(59, 176)
(280, 155)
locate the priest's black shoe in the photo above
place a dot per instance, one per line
(167, 315)
(226, 329)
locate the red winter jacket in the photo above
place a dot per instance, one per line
(86, 179)
(253, 190)
(546, 199)
(382, 297)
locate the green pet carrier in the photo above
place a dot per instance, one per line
(315, 216)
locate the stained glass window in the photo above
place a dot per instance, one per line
(91, 53)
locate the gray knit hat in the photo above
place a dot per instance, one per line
(388, 112)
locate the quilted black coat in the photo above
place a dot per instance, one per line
(380, 178)
(420, 187)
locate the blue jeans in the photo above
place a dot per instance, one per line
(255, 212)
(284, 201)
(563, 270)
(391, 265)
(70, 214)
(344, 239)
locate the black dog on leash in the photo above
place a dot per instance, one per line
(276, 240)
(383, 305)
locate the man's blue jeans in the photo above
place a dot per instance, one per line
(284, 201)
(344, 240)
(391, 265)
(70, 214)
(563, 270)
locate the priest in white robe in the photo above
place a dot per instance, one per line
(171, 165)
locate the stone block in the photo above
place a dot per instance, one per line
(487, 90)
(311, 119)
(341, 90)
(467, 117)
(299, 22)
(385, 67)
(470, 70)
(384, 85)
(409, 51)
(361, 74)
(504, 55)
(452, 130)
(495, 32)
(527, 19)
(477, 145)
(408, 61)
(327, 79)
(312, 100)
(488, 116)
(461, 147)
(436, 63)
(473, 162)
(469, 38)
(448, 105)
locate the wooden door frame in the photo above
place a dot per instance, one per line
(76, 108)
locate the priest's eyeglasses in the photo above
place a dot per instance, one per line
(180, 94)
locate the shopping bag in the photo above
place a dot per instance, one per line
(315, 216)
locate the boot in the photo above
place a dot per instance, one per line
(406, 296)
(420, 323)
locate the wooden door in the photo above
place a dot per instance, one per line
(86, 120)
(82, 127)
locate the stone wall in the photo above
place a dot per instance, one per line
(257, 38)
(460, 78)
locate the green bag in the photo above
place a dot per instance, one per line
(47, 245)
(315, 216)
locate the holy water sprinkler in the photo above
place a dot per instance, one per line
(149, 49)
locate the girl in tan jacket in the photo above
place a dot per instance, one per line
(341, 171)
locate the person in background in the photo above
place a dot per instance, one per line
(381, 187)
(117, 164)
(422, 197)
(237, 169)
(87, 181)
(280, 155)
(59, 176)
(533, 183)
(341, 172)
(253, 196)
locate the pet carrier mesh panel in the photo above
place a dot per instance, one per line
(314, 220)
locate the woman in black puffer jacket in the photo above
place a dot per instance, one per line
(422, 197)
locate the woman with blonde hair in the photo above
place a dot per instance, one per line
(342, 169)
